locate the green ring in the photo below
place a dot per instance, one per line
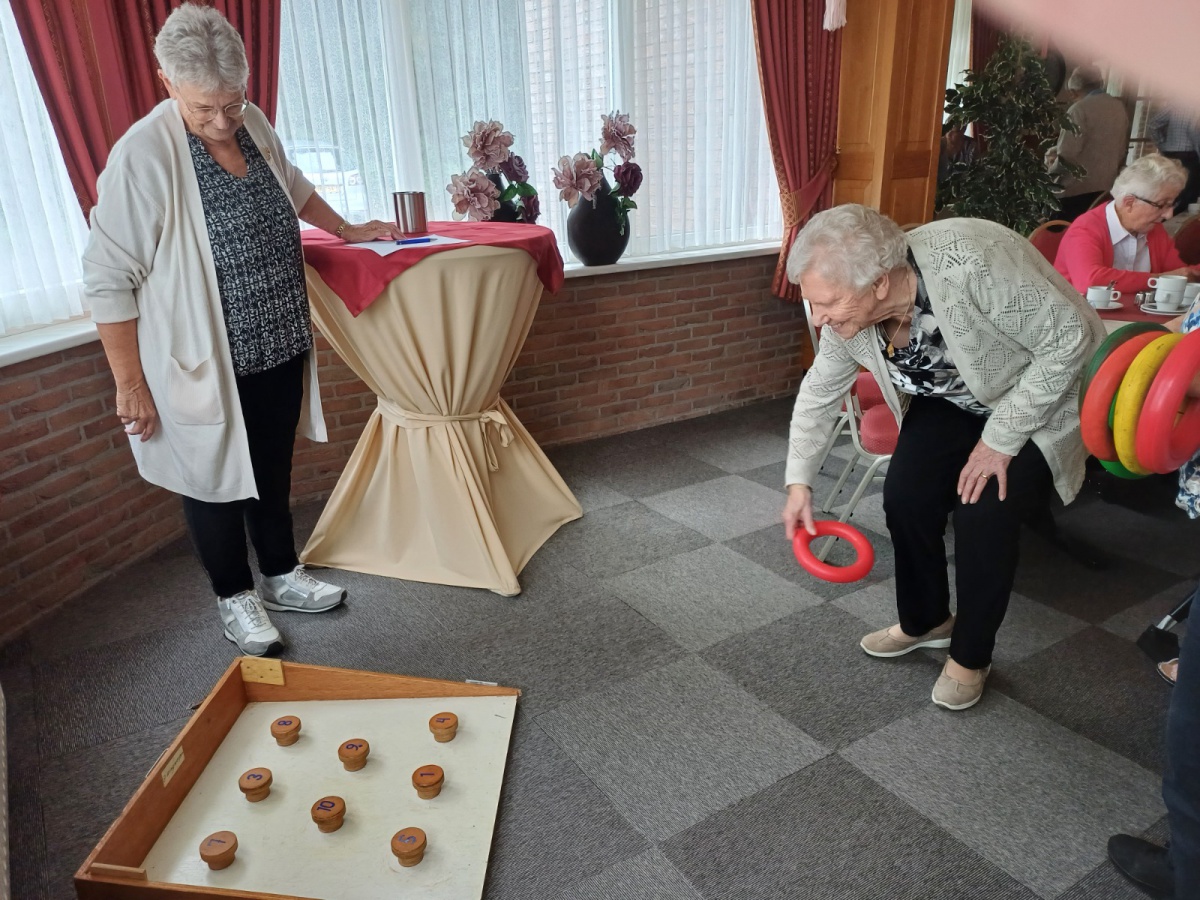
(1115, 468)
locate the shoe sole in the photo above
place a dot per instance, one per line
(278, 607)
(936, 644)
(949, 706)
(274, 647)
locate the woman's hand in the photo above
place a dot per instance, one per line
(136, 410)
(798, 510)
(982, 464)
(371, 231)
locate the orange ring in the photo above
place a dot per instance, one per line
(836, 574)
(1164, 444)
(1097, 403)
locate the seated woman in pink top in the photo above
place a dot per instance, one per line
(1123, 242)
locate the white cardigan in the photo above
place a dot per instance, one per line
(148, 258)
(1018, 332)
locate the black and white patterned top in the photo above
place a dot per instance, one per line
(925, 367)
(255, 242)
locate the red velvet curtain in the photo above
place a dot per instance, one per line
(799, 65)
(985, 38)
(94, 63)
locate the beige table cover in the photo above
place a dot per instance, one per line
(445, 484)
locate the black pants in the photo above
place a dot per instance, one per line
(1191, 190)
(271, 408)
(1074, 207)
(920, 495)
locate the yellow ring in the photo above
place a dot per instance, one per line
(1132, 394)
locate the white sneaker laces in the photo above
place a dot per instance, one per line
(302, 578)
(248, 611)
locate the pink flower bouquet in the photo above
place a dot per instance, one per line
(582, 175)
(497, 185)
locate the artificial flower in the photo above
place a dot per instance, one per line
(473, 196)
(616, 134)
(628, 176)
(576, 177)
(488, 144)
(514, 169)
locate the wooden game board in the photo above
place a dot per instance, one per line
(151, 851)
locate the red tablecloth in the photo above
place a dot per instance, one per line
(1132, 312)
(358, 275)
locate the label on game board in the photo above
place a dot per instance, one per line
(172, 767)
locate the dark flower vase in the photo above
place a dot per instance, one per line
(508, 210)
(594, 232)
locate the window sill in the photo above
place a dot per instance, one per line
(16, 348)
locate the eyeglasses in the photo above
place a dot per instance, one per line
(1159, 206)
(205, 114)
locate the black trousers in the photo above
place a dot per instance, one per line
(919, 496)
(271, 408)
(1074, 207)
(1191, 190)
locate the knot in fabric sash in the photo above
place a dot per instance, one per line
(490, 416)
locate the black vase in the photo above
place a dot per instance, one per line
(594, 231)
(508, 210)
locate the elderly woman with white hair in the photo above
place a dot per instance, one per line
(977, 344)
(1123, 242)
(195, 277)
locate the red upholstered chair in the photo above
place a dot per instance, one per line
(1187, 242)
(1047, 236)
(874, 435)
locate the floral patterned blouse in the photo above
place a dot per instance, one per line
(1188, 498)
(925, 366)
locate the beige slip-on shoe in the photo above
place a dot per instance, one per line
(882, 644)
(951, 694)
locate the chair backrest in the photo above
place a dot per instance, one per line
(1187, 242)
(911, 225)
(1047, 236)
(814, 333)
(1101, 200)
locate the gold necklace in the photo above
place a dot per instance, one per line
(891, 348)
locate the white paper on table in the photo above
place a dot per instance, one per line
(383, 248)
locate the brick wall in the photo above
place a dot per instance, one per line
(607, 354)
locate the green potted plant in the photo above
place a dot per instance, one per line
(1010, 101)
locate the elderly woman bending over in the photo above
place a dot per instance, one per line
(196, 282)
(1123, 242)
(977, 344)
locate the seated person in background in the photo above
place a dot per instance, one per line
(1123, 242)
(1098, 147)
(956, 147)
(1177, 136)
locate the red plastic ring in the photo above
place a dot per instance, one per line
(1094, 411)
(1164, 444)
(836, 574)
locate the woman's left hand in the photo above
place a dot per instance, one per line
(370, 231)
(982, 464)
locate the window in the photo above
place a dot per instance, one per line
(400, 83)
(42, 231)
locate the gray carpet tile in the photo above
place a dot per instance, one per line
(1049, 576)
(830, 833)
(1167, 544)
(1131, 622)
(127, 686)
(770, 549)
(721, 508)
(15, 652)
(581, 477)
(1104, 883)
(76, 819)
(1036, 799)
(810, 669)
(560, 653)
(771, 476)
(554, 826)
(737, 451)
(1028, 628)
(706, 595)
(618, 539)
(677, 744)
(654, 469)
(30, 869)
(647, 876)
(1123, 710)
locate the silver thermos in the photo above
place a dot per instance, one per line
(410, 211)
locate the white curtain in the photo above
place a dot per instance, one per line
(960, 44)
(42, 231)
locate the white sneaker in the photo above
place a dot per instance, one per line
(297, 591)
(248, 625)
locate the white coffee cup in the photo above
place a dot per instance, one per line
(1168, 301)
(1191, 292)
(1169, 282)
(1102, 297)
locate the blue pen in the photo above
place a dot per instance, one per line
(424, 240)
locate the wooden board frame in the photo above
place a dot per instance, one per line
(113, 870)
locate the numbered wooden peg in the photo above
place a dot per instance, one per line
(353, 754)
(428, 781)
(255, 784)
(408, 846)
(444, 726)
(219, 849)
(286, 730)
(328, 813)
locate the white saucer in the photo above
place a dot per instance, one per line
(1112, 304)
(1155, 311)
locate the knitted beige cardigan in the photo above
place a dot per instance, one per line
(1018, 332)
